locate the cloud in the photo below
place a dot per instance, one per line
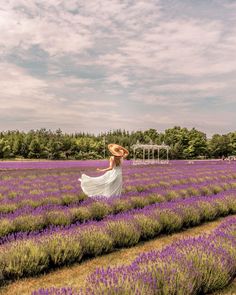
(24, 24)
(104, 64)
(24, 94)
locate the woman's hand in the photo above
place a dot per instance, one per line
(98, 169)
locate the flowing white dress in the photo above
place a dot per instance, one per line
(107, 185)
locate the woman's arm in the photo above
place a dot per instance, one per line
(110, 167)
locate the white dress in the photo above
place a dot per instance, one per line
(107, 185)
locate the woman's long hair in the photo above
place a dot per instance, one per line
(117, 160)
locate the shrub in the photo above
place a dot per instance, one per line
(149, 226)
(171, 195)
(192, 191)
(28, 223)
(80, 214)
(6, 227)
(205, 191)
(7, 208)
(22, 260)
(183, 193)
(68, 199)
(95, 241)
(191, 216)
(82, 196)
(12, 195)
(138, 202)
(30, 203)
(99, 210)
(50, 200)
(57, 218)
(169, 220)
(155, 198)
(140, 188)
(61, 250)
(216, 189)
(211, 263)
(164, 184)
(123, 233)
(120, 205)
(208, 211)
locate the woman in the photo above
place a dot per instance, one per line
(110, 183)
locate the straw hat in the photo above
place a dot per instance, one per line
(117, 150)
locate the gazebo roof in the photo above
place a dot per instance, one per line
(150, 146)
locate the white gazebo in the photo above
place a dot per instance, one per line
(147, 148)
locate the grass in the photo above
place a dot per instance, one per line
(230, 290)
(75, 275)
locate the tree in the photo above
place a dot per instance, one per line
(34, 149)
(49, 144)
(219, 146)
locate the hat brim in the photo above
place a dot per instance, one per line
(117, 150)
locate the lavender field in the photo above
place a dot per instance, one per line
(47, 222)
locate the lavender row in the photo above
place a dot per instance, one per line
(66, 202)
(37, 254)
(65, 197)
(55, 164)
(96, 209)
(26, 184)
(49, 164)
(189, 266)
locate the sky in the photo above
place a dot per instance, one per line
(99, 65)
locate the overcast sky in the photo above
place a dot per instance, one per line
(99, 65)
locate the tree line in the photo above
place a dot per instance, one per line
(46, 144)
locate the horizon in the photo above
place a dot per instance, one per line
(108, 64)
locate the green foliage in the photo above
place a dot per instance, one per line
(169, 221)
(155, 198)
(139, 202)
(46, 144)
(67, 199)
(28, 223)
(99, 210)
(95, 241)
(22, 260)
(208, 212)
(149, 227)
(62, 251)
(191, 216)
(81, 214)
(57, 218)
(121, 206)
(6, 227)
(7, 208)
(123, 233)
